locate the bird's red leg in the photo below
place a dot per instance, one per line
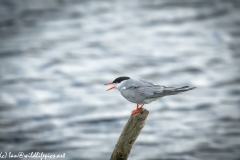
(141, 106)
(136, 110)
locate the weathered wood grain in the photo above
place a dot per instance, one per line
(129, 134)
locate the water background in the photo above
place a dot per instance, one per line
(56, 55)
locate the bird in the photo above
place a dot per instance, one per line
(143, 91)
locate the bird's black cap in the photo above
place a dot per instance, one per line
(120, 79)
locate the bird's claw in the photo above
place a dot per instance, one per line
(135, 111)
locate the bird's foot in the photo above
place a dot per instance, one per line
(135, 111)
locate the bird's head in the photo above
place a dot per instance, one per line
(117, 81)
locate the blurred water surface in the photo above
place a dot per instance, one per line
(55, 57)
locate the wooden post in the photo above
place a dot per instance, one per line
(129, 134)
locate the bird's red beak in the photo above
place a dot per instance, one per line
(111, 87)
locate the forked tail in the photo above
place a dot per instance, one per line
(172, 90)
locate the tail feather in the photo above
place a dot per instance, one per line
(172, 90)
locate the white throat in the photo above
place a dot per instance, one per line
(120, 85)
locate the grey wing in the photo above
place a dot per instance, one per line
(161, 91)
(150, 91)
(138, 91)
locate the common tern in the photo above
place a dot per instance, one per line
(142, 91)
